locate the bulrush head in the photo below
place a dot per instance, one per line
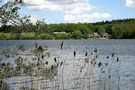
(95, 50)
(52, 67)
(99, 64)
(91, 53)
(55, 60)
(74, 53)
(42, 56)
(107, 57)
(109, 76)
(46, 62)
(103, 71)
(86, 60)
(61, 45)
(117, 59)
(106, 64)
(97, 56)
(86, 54)
(61, 63)
(40, 49)
(112, 54)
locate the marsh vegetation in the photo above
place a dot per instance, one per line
(23, 68)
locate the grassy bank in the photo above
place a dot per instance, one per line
(34, 36)
(24, 36)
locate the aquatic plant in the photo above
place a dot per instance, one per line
(43, 74)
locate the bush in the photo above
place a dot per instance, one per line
(63, 36)
(6, 36)
(45, 36)
(77, 34)
(29, 35)
(3, 36)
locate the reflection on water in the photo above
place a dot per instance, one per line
(79, 72)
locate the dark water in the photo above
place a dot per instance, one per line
(124, 49)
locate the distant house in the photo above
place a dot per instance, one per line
(104, 35)
(96, 35)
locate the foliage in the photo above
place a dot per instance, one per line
(12, 22)
(83, 28)
(63, 36)
(45, 36)
(77, 34)
(99, 29)
(27, 35)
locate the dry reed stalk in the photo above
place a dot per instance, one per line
(39, 86)
(91, 76)
(118, 71)
(63, 73)
(74, 70)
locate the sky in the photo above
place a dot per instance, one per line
(73, 11)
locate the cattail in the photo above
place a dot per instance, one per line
(40, 48)
(96, 56)
(106, 64)
(103, 71)
(52, 67)
(107, 57)
(91, 53)
(117, 59)
(100, 64)
(42, 56)
(86, 60)
(74, 53)
(61, 45)
(112, 54)
(61, 63)
(46, 62)
(86, 54)
(55, 60)
(95, 50)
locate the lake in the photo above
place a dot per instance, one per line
(122, 49)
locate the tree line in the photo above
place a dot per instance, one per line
(13, 26)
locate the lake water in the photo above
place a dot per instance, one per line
(124, 49)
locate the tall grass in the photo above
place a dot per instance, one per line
(88, 72)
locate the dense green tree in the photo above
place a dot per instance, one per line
(99, 29)
(71, 27)
(84, 29)
(41, 27)
(117, 31)
(77, 34)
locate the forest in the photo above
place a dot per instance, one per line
(15, 27)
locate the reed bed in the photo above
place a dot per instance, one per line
(37, 69)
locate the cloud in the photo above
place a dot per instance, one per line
(66, 6)
(86, 17)
(130, 3)
(33, 19)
